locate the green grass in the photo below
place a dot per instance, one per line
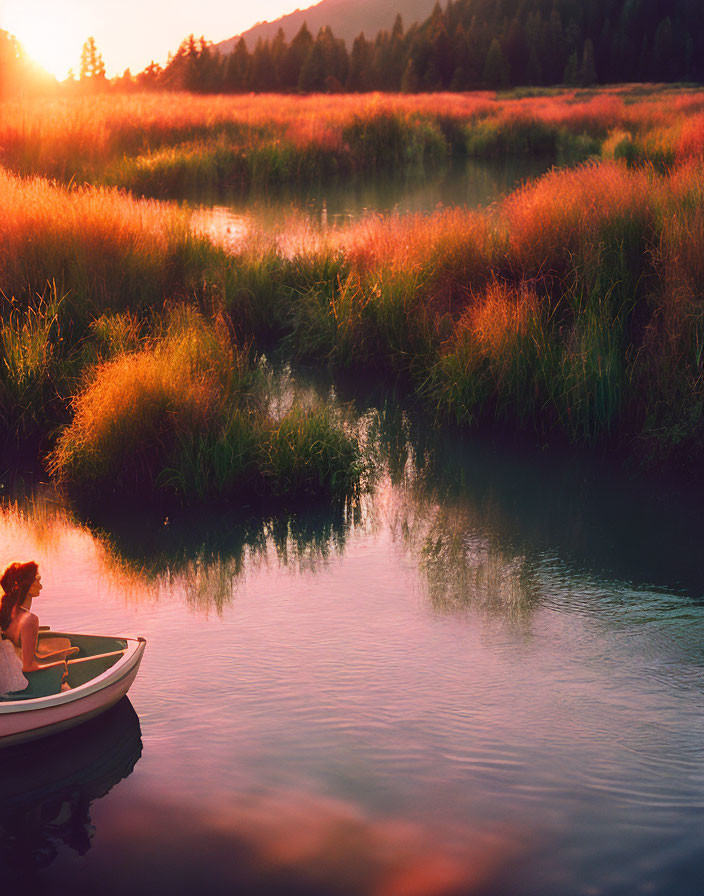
(570, 310)
(169, 144)
(32, 368)
(184, 417)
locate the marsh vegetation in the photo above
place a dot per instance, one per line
(569, 310)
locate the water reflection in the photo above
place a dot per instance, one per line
(465, 569)
(321, 207)
(484, 522)
(584, 514)
(292, 842)
(47, 789)
(368, 713)
(208, 554)
(488, 525)
(463, 562)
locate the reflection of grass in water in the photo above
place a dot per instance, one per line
(206, 555)
(464, 570)
(462, 557)
(209, 556)
(38, 512)
(464, 567)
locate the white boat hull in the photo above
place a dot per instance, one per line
(28, 719)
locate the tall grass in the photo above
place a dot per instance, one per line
(32, 369)
(185, 417)
(159, 145)
(572, 308)
(101, 249)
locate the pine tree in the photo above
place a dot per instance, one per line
(587, 71)
(278, 54)
(92, 65)
(477, 50)
(237, 68)
(295, 57)
(150, 78)
(410, 82)
(496, 73)
(360, 59)
(441, 58)
(10, 65)
(534, 72)
(517, 52)
(663, 51)
(312, 77)
(261, 73)
(397, 55)
(571, 75)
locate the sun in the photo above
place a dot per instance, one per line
(48, 40)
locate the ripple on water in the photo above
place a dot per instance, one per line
(487, 688)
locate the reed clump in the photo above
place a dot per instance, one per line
(100, 248)
(33, 370)
(570, 310)
(184, 417)
(218, 165)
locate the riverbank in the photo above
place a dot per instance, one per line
(568, 311)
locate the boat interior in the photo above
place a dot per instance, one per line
(71, 660)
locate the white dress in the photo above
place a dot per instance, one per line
(11, 677)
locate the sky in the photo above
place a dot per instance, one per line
(128, 33)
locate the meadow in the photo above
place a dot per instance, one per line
(165, 143)
(131, 346)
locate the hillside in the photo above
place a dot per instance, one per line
(347, 18)
(465, 45)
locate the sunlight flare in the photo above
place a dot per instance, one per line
(50, 40)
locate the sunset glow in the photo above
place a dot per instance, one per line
(128, 33)
(50, 40)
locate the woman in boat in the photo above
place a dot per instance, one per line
(19, 627)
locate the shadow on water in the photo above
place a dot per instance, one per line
(47, 788)
(207, 552)
(464, 498)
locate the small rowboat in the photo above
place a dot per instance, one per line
(100, 672)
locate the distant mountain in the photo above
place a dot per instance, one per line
(346, 18)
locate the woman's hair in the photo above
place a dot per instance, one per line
(15, 582)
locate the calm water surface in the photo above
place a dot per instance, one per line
(470, 183)
(486, 678)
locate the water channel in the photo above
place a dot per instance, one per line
(485, 677)
(232, 219)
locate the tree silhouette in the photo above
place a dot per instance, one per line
(92, 65)
(496, 70)
(468, 44)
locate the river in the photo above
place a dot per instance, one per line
(484, 677)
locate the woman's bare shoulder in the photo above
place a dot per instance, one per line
(27, 620)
